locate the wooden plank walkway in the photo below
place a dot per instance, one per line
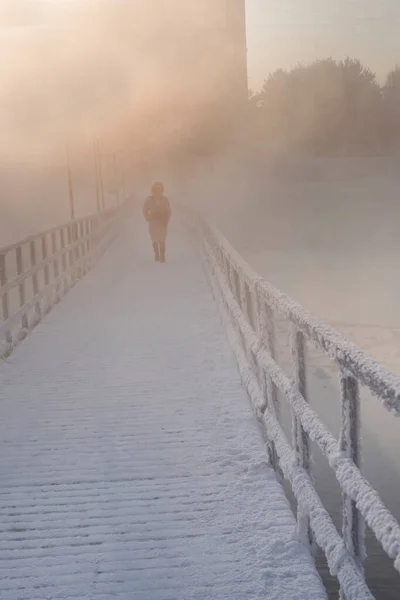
(131, 465)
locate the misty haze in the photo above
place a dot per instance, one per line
(199, 325)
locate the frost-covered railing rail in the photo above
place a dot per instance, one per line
(248, 305)
(36, 272)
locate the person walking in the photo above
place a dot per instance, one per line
(157, 212)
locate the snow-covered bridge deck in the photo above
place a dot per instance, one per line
(131, 465)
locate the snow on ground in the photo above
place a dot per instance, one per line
(326, 233)
(131, 464)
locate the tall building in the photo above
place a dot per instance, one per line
(191, 61)
(236, 33)
(220, 69)
(223, 44)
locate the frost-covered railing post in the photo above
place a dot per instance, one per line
(4, 297)
(21, 287)
(270, 392)
(350, 446)
(35, 285)
(35, 273)
(46, 273)
(300, 440)
(249, 306)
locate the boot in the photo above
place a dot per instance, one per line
(156, 251)
(162, 252)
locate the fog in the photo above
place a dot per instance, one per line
(122, 73)
(118, 72)
(325, 231)
(74, 70)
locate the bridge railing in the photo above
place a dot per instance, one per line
(35, 273)
(249, 305)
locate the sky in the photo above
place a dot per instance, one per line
(282, 33)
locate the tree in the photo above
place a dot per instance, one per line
(391, 106)
(326, 107)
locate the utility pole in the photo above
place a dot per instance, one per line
(70, 187)
(116, 178)
(100, 170)
(96, 171)
(123, 163)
